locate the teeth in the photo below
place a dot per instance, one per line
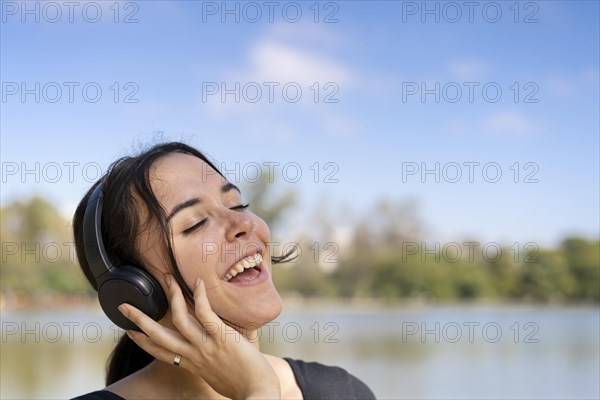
(248, 262)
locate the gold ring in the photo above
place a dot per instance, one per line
(177, 360)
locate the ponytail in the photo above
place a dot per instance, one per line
(126, 358)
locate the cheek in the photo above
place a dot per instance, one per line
(197, 259)
(262, 229)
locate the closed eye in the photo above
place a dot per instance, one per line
(194, 228)
(197, 226)
(240, 207)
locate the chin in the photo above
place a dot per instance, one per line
(260, 312)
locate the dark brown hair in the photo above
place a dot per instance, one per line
(126, 182)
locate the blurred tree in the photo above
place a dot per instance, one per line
(583, 259)
(354, 272)
(394, 279)
(561, 278)
(471, 281)
(370, 264)
(265, 203)
(396, 223)
(304, 276)
(503, 274)
(38, 255)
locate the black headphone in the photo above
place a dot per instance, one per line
(117, 285)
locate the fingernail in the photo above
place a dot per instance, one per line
(169, 280)
(123, 310)
(131, 334)
(197, 282)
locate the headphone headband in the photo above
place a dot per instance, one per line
(92, 235)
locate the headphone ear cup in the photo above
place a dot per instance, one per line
(131, 285)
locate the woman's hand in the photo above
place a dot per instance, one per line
(209, 348)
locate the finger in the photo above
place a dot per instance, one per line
(158, 352)
(160, 335)
(175, 295)
(207, 317)
(182, 319)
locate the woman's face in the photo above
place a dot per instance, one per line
(213, 239)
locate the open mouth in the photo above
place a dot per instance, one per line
(245, 270)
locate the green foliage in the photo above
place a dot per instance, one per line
(38, 255)
(377, 261)
(583, 258)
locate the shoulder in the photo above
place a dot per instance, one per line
(99, 395)
(327, 382)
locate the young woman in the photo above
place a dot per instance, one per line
(171, 213)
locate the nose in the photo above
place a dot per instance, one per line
(240, 225)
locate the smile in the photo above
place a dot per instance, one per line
(245, 270)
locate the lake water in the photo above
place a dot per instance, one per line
(454, 352)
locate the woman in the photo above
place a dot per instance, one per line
(170, 212)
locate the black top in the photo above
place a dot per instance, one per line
(316, 381)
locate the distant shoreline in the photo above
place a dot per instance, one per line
(12, 301)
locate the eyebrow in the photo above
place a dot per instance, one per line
(192, 202)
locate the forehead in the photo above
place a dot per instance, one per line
(182, 176)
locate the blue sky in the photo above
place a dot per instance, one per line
(527, 78)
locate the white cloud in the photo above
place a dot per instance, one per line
(468, 69)
(560, 86)
(303, 54)
(288, 56)
(569, 86)
(272, 61)
(499, 123)
(510, 123)
(318, 37)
